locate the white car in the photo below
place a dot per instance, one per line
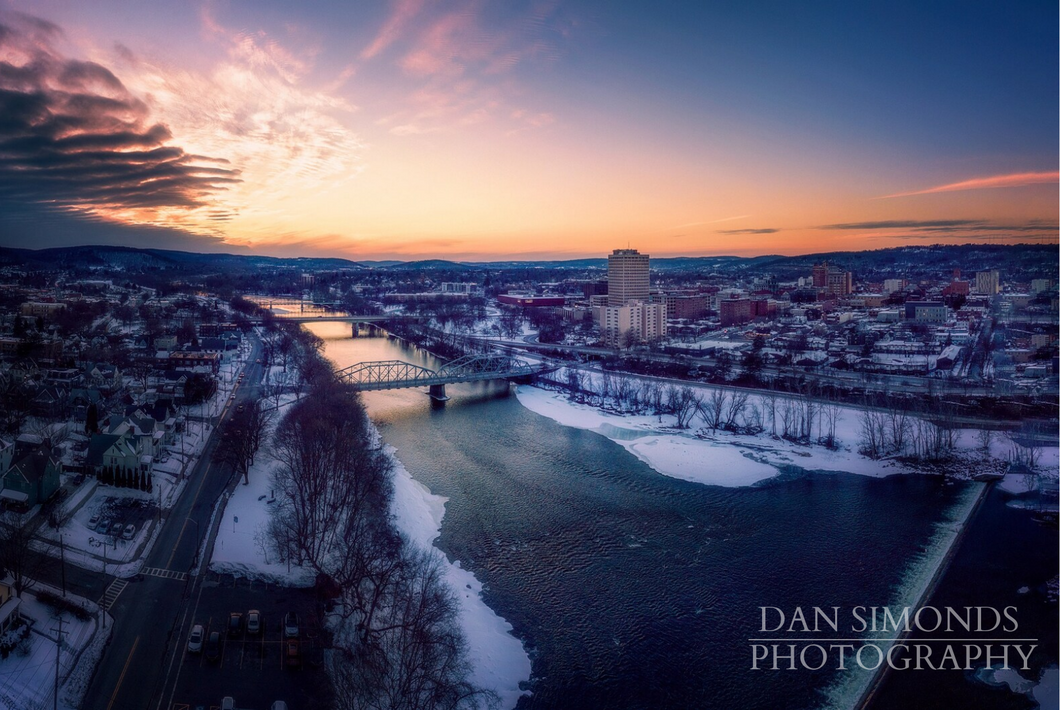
(195, 639)
(129, 531)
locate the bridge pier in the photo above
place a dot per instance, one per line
(437, 393)
(356, 328)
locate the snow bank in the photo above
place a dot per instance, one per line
(238, 548)
(497, 657)
(712, 458)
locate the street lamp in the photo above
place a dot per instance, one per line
(197, 541)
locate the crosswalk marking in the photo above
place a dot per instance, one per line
(165, 573)
(111, 595)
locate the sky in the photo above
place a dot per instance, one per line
(477, 130)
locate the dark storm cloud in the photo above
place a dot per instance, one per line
(968, 227)
(72, 135)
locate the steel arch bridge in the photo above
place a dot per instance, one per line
(397, 374)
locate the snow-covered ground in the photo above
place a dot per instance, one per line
(499, 661)
(239, 548)
(498, 658)
(718, 459)
(721, 458)
(27, 681)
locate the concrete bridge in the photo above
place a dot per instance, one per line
(397, 374)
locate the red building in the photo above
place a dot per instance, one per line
(530, 301)
(736, 311)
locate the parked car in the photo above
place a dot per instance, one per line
(290, 625)
(235, 624)
(103, 527)
(278, 705)
(129, 531)
(115, 529)
(254, 622)
(228, 703)
(292, 653)
(93, 522)
(213, 646)
(195, 639)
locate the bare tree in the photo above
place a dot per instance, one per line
(715, 408)
(832, 413)
(22, 563)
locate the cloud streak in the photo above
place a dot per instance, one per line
(993, 182)
(766, 230)
(72, 136)
(945, 226)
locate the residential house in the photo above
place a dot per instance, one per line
(33, 476)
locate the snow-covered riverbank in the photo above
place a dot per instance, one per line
(499, 661)
(712, 458)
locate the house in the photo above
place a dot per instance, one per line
(33, 476)
(115, 451)
(9, 603)
(50, 401)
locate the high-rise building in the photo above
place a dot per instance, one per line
(832, 280)
(633, 322)
(627, 277)
(987, 283)
(840, 283)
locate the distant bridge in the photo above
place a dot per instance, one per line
(397, 374)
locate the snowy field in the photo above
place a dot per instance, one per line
(721, 458)
(27, 676)
(716, 459)
(239, 548)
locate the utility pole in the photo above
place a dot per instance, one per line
(104, 581)
(58, 651)
(62, 557)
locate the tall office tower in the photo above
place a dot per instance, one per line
(987, 282)
(627, 277)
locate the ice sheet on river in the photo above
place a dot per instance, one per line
(719, 459)
(498, 658)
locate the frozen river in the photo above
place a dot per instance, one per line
(630, 589)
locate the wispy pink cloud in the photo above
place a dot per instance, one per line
(404, 11)
(1013, 180)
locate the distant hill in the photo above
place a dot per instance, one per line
(1016, 262)
(131, 258)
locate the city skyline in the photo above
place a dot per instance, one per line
(536, 131)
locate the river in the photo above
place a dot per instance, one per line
(630, 589)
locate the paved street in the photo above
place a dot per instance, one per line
(253, 669)
(152, 611)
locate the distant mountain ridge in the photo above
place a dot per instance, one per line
(911, 261)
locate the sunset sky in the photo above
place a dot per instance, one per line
(495, 130)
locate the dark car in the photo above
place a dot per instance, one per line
(235, 624)
(213, 646)
(292, 653)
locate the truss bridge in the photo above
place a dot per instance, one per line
(397, 374)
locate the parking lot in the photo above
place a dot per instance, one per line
(253, 669)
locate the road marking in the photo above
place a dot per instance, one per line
(124, 670)
(165, 573)
(111, 595)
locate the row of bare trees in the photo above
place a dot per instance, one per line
(399, 645)
(894, 432)
(803, 417)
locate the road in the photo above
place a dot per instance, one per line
(149, 611)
